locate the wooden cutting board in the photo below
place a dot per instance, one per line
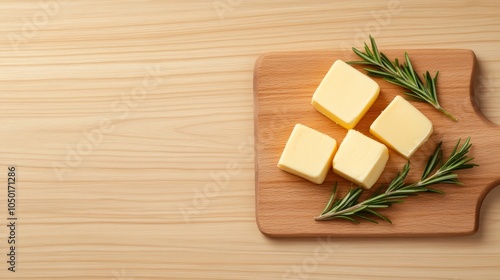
(286, 204)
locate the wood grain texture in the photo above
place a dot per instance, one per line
(283, 86)
(118, 213)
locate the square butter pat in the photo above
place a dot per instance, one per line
(345, 94)
(360, 159)
(308, 154)
(402, 127)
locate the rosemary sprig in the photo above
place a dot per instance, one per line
(402, 75)
(436, 172)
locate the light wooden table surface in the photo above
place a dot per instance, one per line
(122, 116)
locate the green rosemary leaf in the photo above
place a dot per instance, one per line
(365, 57)
(435, 191)
(377, 73)
(378, 206)
(368, 51)
(359, 63)
(399, 196)
(366, 218)
(332, 199)
(376, 53)
(440, 179)
(410, 67)
(348, 218)
(433, 162)
(375, 213)
(398, 182)
(377, 191)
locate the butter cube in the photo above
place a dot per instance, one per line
(402, 127)
(345, 94)
(308, 154)
(360, 159)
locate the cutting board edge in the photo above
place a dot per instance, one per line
(465, 232)
(375, 235)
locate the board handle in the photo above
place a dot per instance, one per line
(489, 136)
(492, 130)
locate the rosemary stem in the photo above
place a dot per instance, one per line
(446, 113)
(378, 197)
(350, 207)
(330, 215)
(354, 207)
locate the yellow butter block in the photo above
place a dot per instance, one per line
(308, 154)
(360, 159)
(402, 127)
(345, 94)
